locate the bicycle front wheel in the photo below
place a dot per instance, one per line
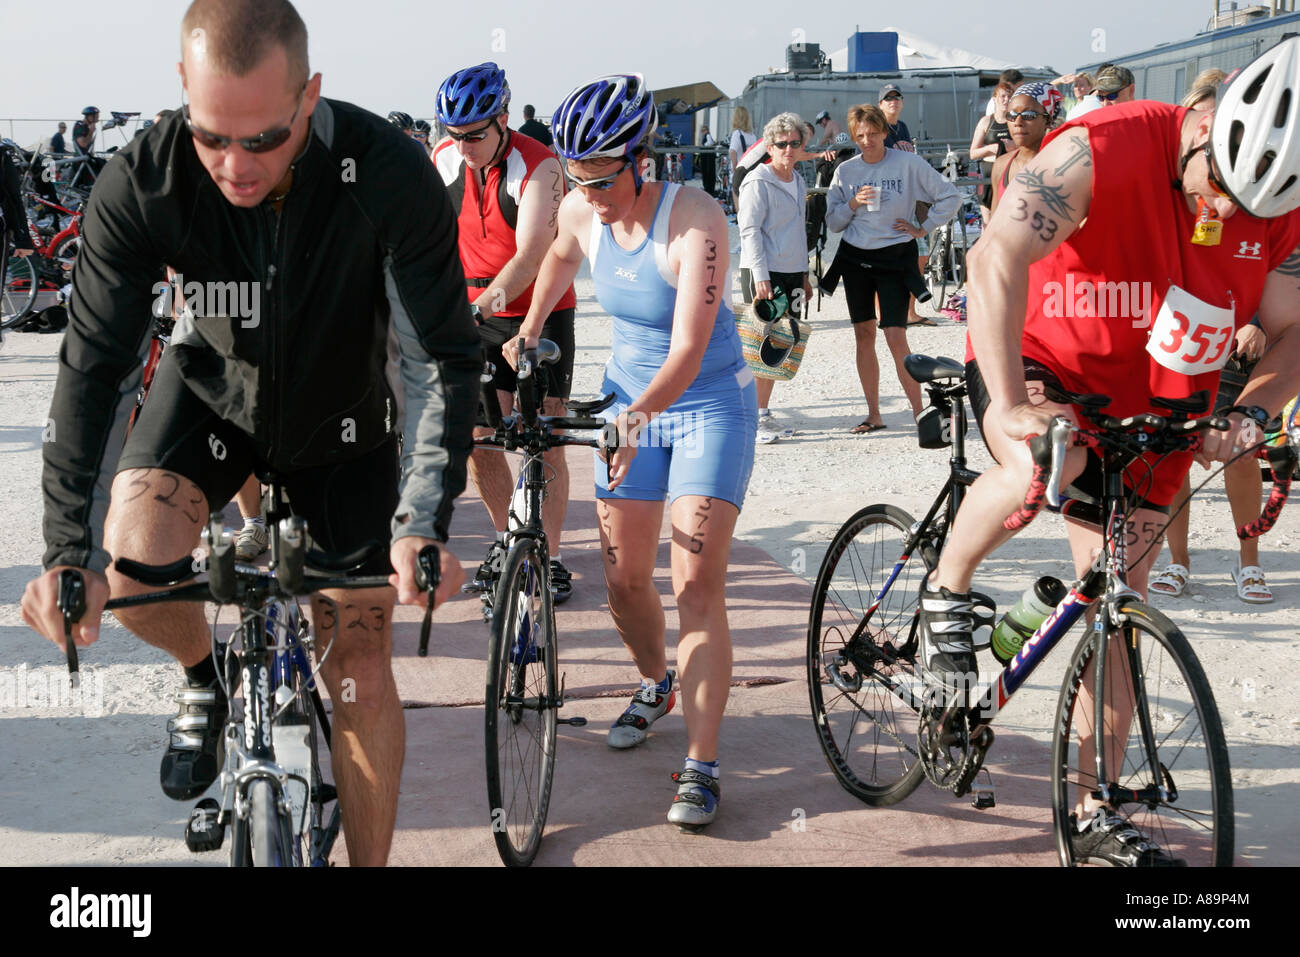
(861, 656)
(19, 293)
(1182, 798)
(264, 839)
(520, 704)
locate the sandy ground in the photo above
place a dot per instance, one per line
(59, 755)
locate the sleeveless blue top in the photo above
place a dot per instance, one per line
(639, 290)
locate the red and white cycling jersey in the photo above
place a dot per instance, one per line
(487, 213)
(1128, 306)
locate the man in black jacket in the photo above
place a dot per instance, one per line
(13, 215)
(316, 254)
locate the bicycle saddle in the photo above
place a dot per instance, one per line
(929, 368)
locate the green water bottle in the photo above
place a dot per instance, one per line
(1025, 616)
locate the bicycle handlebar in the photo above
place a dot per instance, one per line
(244, 585)
(1134, 434)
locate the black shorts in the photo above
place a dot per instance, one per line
(1087, 487)
(348, 506)
(789, 281)
(862, 284)
(496, 331)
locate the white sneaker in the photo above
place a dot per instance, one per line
(251, 542)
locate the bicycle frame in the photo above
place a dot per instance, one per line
(1103, 580)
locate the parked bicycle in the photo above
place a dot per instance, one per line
(946, 265)
(524, 691)
(1136, 725)
(49, 269)
(274, 799)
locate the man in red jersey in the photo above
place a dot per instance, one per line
(506, 188)
(1121, 261)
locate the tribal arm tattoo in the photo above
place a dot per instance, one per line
(1052, 196)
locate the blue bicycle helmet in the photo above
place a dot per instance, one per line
(472, 95)
(608, 117)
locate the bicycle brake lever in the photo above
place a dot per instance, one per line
(428, 575)
(1059, 434)
(609, 445)
(72, 602)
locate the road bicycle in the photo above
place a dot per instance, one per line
(524, 691)
(946, 265)
(49, 269)
(1136, 726)
(273, 796)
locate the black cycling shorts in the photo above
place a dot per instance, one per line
(496, 331)
(863, 283)
(1087, 487)
(348, 506)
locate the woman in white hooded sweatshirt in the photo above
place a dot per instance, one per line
(773, 241)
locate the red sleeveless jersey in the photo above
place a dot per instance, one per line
(487, 213)
(1128, 306)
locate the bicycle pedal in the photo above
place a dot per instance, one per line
(572, 722)
(983, 800)
(204, 830)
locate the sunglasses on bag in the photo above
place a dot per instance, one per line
(261, 143)
(602, 182)
(787, 145)
(477, 136)
(1012, 115)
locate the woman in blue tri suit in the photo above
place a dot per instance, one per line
(686, 411)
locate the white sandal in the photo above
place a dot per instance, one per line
(1172, 581)
(1251, 586)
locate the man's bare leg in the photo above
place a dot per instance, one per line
(368, 743)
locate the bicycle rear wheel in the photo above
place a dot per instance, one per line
(867, 731)
(936, 274)
(520, 704)
(1186, 806)
(19, 293)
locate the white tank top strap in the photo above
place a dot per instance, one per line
(659, 234)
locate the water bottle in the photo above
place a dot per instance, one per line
(292, 744)
(1025, 616)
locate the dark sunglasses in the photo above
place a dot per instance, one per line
(602, 182)
(1023, 114)
(261, 143)
(787, 145)
(478, 136)
(1107, 97)
(893, 96)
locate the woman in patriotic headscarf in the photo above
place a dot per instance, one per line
(1033, 110)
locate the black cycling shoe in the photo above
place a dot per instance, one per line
(561, 582)
(194, 755)
(1109, 838)
(947, 653)
(485, 579)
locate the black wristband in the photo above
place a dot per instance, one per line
(1260, 415)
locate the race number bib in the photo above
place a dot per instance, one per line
(1191, 336)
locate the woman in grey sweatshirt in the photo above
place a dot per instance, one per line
(773, 241)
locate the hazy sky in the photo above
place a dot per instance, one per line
(392, 54)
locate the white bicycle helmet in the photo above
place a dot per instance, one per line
(1256, 136)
